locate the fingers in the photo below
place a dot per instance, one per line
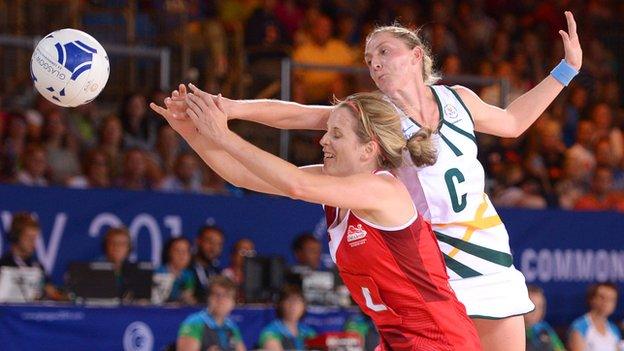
(158, 109)
(192, 104)
(571, 24)
(564, 36)
(219, 103)
(182, 89)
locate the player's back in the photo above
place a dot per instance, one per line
(397, 276)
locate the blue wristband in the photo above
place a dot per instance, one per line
(564, 73)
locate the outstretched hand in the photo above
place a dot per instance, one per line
(571, 44)
(177, 119)
(207, 116)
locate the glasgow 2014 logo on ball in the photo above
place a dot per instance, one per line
(138, 337)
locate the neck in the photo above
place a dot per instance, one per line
(291, 325)
(417, 101)
(597, 317)
(18, 253)
(175, 270)
(218, 319)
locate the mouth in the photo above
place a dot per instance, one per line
(328, 155)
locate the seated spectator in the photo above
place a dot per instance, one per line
(601, 196)
(61, 148)
(593, 331)
(208, 246)
(317, 86)
(287, 332)
(213, 184)
(13, 144)
(96, 171)
(185, 177)
(364, 327)
(35, 166)
(307, 251)
(23, 236)
(241, 249)
(540, 336)
(116, 245)
(110, 140)
(135, 171)
(212, 329)
(176, 257)
(167, 149)
(139, 128)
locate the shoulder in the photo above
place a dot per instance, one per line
(581, 325)
(615, 330)
(465, 93)
(306, 331)
(192, 326)
(233, 327)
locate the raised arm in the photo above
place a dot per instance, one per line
(220, 161)
(274, 113)
(361, 191)
(523, 111)
(278, 114)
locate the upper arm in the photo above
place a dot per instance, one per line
(488, 118)
(576, 341)
(187, 343)
(356, 192)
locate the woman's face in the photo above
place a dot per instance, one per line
(111, 132)
(342, 149)
(293, 308)
(180, 254)
(391, 64)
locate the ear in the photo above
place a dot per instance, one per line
(417, 54)
(370, 150)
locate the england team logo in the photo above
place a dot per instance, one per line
(356, 235)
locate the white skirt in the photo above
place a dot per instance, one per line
(494, 296)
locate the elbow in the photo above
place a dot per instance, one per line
(296, 189)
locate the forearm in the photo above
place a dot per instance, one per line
(527, 108)
(279, 114)
(276, 172)
(228, 168)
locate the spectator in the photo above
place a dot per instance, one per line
(593, 331)
(317, 86)
(602, 117)
(96, 171)
(287, 332)
(540, 336)
(185, 177)
(167, 149)
(241, 249)
(82, 123)
(213, 184)
(116, 246)
(61, 149)
(212, 329)
(307, 251)
(35, 166)
(23, 235)
(13, 144)
(139, 129)
(176, 258)
(580, 154)
(209, 246)
(110, 141)
(601, 196)
(134, 174)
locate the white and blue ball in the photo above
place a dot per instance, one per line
(69, 67)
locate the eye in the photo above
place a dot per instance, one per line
(384, 51)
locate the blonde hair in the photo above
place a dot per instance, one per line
(378, 121)
(412, 40)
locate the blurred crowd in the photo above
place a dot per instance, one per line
(199, 278)
(572, 157)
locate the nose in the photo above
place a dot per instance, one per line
(375, 64)
(323, 140)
